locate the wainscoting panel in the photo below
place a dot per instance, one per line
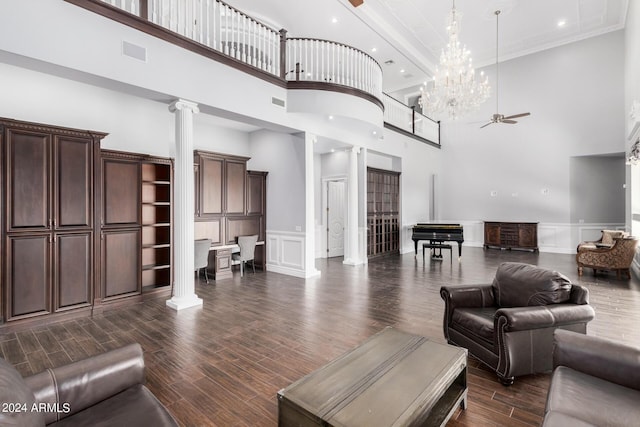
(285, 253)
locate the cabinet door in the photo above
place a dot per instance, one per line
(255, 193)
(235, 173)
(121, 272)
(121, 192)
(72, 266)
(29, 187)
(74, 183)
(491, 234)
(28, 275)
(210, 186)
(528, 235)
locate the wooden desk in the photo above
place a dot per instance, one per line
(220, 259)
(392, 379)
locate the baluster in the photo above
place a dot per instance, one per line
(268, 48)
(154, 11)
(200, 22)
(208, 29)
(231, 31)
(225, 33)
(193, 22)
(333, 63)
(360, 57)
(249, 43)
(318, 48)
(323, 54)
(254, 43)
(236, 35)
(244, 38)
(274, 52)
(262, 60)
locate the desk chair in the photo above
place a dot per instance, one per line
(247, 252)
(201, 256)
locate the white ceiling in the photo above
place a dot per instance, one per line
(412, 33)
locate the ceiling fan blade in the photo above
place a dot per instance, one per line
(487, 124)
(515, 116)
(511, 122)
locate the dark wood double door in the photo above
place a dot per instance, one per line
(49, 218)
(383, 212)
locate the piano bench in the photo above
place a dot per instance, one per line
(439, 247)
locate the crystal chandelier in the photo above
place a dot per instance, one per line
(454, 87)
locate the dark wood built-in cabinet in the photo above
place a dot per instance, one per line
(48, 239)
(511, 235)
(83, 229)
(120, 226)
(136, 226)
(383, 206)
(229, 202)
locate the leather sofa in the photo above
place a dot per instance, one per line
(596, 382)
(103, 390)
(508, 325)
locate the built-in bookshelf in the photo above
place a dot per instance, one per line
(156, 225)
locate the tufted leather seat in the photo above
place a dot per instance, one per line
(508, 325)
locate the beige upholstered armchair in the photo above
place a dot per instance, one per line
(617, 257)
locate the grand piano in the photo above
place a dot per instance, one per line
(438, 234)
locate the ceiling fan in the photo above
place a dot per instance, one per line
(497, 117)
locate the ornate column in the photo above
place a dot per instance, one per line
(353, 257)
(183, 197)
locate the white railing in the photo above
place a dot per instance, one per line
(406, 118)
(331, 62)
(222, 28)
(219, 26)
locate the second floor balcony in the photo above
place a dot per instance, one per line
(219, 31)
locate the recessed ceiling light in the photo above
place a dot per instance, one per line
(402, 71)
(373, 49)
(333, 150)
(334, 20)
(330, 117)
(562, 23)
(375, 133)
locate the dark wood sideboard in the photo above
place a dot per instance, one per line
(511, 235)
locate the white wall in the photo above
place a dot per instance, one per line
(282, 155)
(576, 98)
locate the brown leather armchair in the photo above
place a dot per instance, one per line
(595, 382)
(509, 324)
(617, 257)
(103, 390)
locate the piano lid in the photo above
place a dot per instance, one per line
(437, 226)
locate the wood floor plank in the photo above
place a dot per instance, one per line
(28, 341)
(222, 364)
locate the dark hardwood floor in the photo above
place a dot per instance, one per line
(223, 364)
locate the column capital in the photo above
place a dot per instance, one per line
(355, 149)
(181, 104)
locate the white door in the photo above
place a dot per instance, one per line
(335, 218)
